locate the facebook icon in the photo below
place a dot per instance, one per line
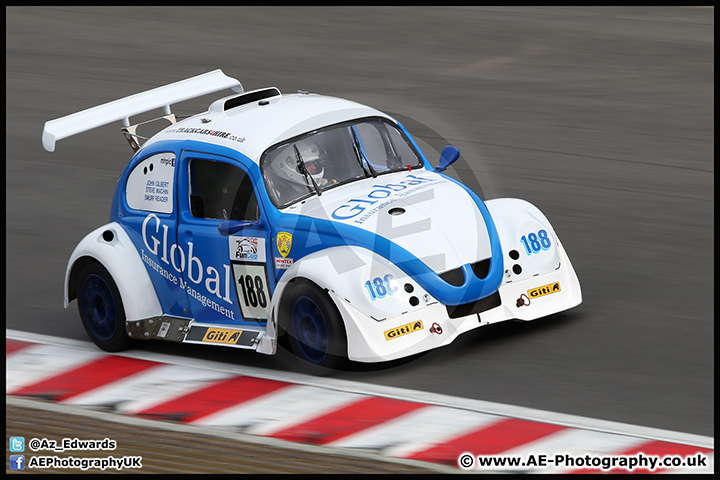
(17, 462)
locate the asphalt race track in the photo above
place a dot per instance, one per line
(602, 117)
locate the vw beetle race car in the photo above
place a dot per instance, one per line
(302, 218)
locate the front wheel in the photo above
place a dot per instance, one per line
(314, 325)
(101, 309)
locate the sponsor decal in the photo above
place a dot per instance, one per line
(207, 131)
(284, 243)
(222, 335)
(173, 255)
(283, 263)
(150, 184)
(377, 198)
(403, 330)
(544, 290)
(249, 249)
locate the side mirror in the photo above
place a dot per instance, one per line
(447, 157)
(230, 227)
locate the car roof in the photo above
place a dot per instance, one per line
(253, 127)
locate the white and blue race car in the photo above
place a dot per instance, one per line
(300, 218)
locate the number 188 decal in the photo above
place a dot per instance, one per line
(251, 285)
(381, 286)
(536, 242)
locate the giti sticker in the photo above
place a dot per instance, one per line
(248, 249)
(284, 243)
(404, 330)
(544, 290)
(222, 335)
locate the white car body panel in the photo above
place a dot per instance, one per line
(435, 227)
(121, 259)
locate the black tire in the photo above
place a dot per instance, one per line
(101, 308)
(315, 330)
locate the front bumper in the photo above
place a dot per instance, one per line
(431, 327)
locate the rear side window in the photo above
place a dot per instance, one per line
(151, 184)
(221, 191)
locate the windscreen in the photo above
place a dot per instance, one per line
(323, 159)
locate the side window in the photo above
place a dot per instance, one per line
(221, 191)
(150, 186)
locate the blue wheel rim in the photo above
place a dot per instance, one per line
(310, 330)
(99, 307)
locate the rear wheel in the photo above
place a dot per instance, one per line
(101, 309)
(314, 325)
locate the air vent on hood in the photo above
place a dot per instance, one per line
(481, 268)
(456, 278)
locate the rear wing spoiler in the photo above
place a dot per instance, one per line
(123, 109)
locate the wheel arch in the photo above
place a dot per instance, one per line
(334, 324)
(342, 272)
(111, 247)
(514, 218)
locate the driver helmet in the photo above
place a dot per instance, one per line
(286, 165)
